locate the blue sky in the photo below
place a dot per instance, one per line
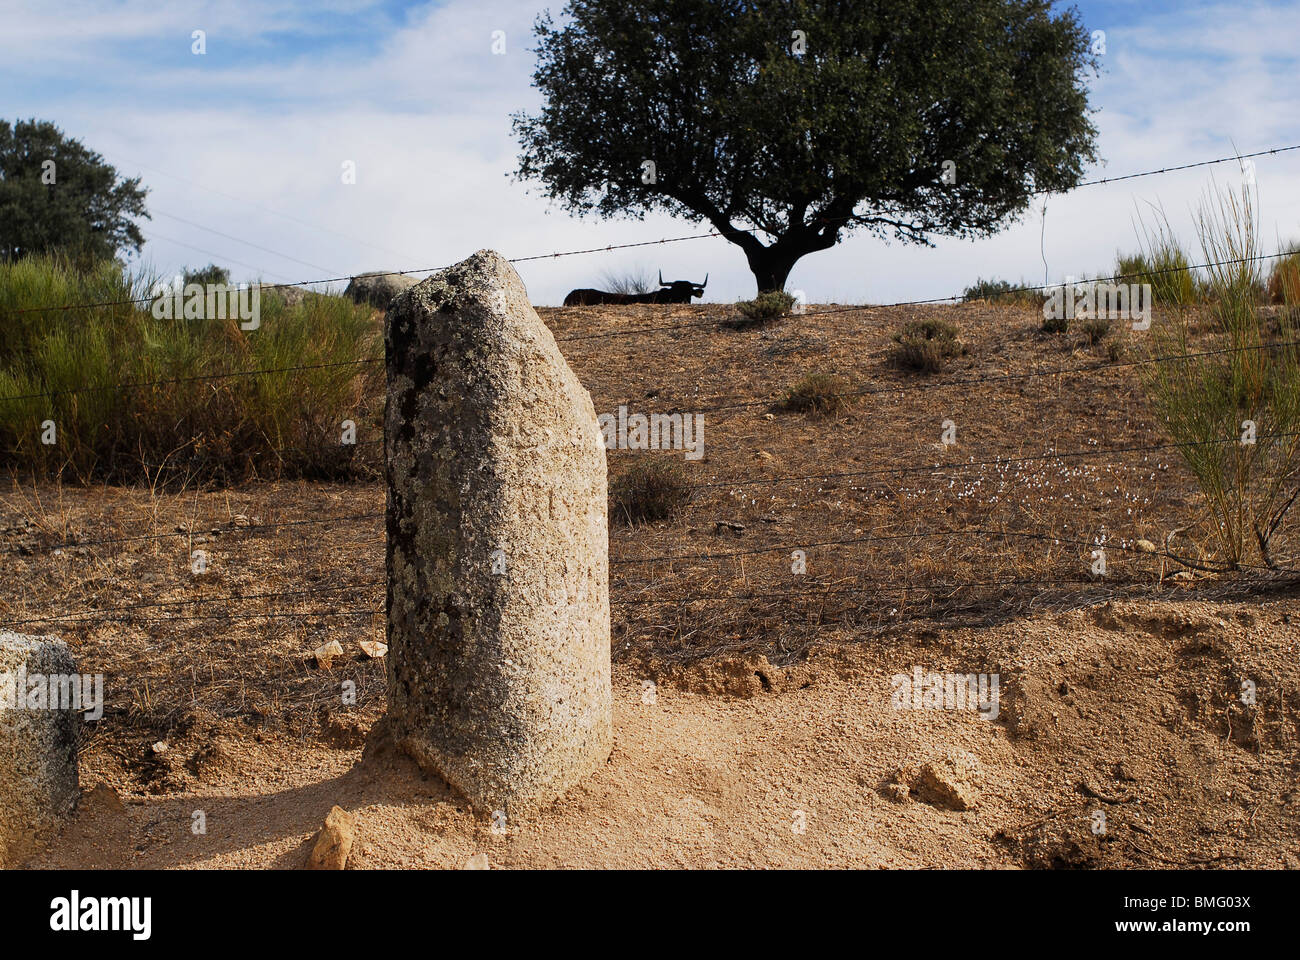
(242, 147)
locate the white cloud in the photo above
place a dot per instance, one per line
(426, 118)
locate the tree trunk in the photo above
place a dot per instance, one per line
(771, 268)
(771, 265)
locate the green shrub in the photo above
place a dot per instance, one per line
(925, 345)
(1164, 265)
(52, 281)
(205, 275)
(134, 396)
(649, 490)
(1001, 291)
(1205, 399)
(766, 307)
(1172, 283)
(817, 393)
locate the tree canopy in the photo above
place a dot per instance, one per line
(797, 122)
(57, 195)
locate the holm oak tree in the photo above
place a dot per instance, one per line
(58, 195)
(787, 125)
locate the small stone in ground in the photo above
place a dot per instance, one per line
(333, 842)
(326, 653)
(948, 783)
(102, 798)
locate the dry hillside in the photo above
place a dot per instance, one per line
(753, 705)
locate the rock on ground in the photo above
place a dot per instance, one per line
(378, 289)
(949, 783)
(291, 295)
(498, 561)
(38, 746)
(333, 843)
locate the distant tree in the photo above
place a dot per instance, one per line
(57, 195)
(211, 274)
(803, 120)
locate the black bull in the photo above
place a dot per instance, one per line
(679, 291)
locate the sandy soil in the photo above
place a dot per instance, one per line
(1126, 708)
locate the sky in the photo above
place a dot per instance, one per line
(243, 146)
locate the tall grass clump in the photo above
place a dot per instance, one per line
(131, 396)
(925, 345)
(1164, 264)
(651, 489)
(1209, 404)
(817, 394)
(629, 282)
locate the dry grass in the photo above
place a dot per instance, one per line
(926, 345)
(934, 546)
(821, 394)
(1095, 330)
(1284, 279)
(649, 490)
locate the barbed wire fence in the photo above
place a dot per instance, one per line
(811, 590)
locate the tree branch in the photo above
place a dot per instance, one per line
(915, 230)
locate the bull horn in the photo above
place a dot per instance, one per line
(705, 283)
(661, 279)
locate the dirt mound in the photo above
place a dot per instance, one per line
(1116, 745)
